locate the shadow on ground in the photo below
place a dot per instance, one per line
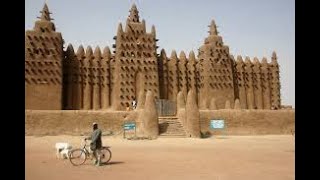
(112, 163)
(205, 135)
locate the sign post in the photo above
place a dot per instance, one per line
(217, 124)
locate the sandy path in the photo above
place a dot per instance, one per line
(233, 157)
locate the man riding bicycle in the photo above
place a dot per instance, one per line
(96, 144)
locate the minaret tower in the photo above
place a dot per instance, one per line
(43, 64)
(136, 66)
(215, 69)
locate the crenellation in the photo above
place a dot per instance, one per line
(183, 76)
(257, 83)
(248, 76)
(96, 78)
(80, 54)
(191, 73)
(68, 71)
(173, 76)
(163, 74)
(265, 77)
(241, 80)
(87, 79)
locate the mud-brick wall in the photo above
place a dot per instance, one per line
(249, 122)
(72, 122)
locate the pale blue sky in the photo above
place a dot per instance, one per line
(251, 28)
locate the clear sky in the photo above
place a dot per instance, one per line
(251, 28)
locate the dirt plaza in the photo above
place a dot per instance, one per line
(215, 158)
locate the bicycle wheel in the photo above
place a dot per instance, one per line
(105, 155)
(77, 157)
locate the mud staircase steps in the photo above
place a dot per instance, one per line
(170, 126)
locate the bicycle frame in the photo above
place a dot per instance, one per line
(88, 153)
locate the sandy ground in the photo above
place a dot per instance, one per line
(217, 158)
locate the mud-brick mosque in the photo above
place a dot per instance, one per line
(107, 79)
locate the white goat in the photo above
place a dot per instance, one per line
(62, 150)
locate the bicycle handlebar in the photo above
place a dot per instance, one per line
(85, 144)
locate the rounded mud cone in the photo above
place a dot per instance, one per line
(150, 117)
(193, 116)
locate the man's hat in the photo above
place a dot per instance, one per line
(94, 123)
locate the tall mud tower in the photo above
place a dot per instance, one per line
(43, 65)
(135, 66)
(215, 71)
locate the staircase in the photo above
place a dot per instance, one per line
(170, 126)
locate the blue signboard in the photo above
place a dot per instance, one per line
(129, 126)
(217, 124)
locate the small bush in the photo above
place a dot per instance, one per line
(206, 134)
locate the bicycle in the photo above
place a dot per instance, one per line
(80, 155)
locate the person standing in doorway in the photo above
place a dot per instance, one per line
(134, 103)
